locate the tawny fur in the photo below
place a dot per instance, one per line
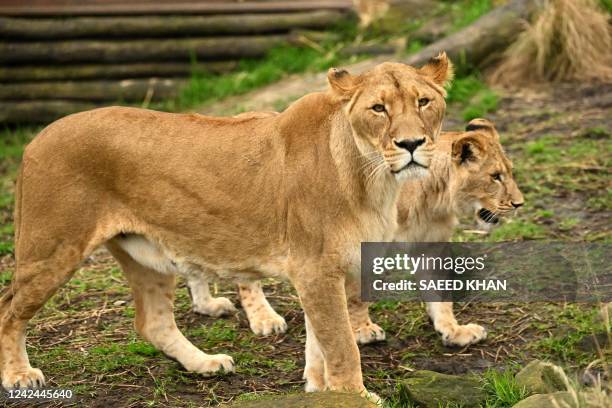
(427, 212)
(290, 195)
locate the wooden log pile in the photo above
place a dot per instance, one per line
(62, 56)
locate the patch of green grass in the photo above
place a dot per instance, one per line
(279, 62)
(572, 324)
(5, 278)
(607, 5)
(476, 97)
(467, 11)
(502, 389)
(568, 224)
(601, 202)
(463, 89)
(544, 213)
(483, 103)
(516, 229)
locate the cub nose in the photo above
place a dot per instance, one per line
(410, 144)
(517, 205)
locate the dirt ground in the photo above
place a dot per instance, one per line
(560, 142)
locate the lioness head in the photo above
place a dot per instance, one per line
(484, 173)
(395, 112)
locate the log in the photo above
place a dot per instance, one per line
(156, 26)
(484, 39)
(493, 32)
(95, 91)
(140, 50)
(114, 71)
(80, 8)
(203, 49)
(39, 111)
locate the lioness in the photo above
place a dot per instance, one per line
(470, 175)
(290, 195)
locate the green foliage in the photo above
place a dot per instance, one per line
(5, 278)
(281, 61)
(474, 94)
(502, 389)
(467, 11)
(607, 5)
(570, 327)
(483, 103)
(517, 230)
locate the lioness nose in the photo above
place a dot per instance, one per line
(410, 144)
(517, 205)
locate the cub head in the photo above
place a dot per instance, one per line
(484, 173)
(395, 112)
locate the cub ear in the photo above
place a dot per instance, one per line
(484, 125)
(439, 69)
(467, 149)
(341, 82)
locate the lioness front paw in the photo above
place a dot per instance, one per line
(32, 378)
(215, 307)
(270, 324)
(209, 365)
(461, 336)
(369, 333)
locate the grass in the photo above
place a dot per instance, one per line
(475, 97)
(251, 74)
(502, 389)
(467, 11)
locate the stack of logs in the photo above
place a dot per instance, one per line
(64, 56)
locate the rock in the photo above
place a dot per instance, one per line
(431, 389)
(588, 399)
(308, 400)
(557, 399)
(539, 377)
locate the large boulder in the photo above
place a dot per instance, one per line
(308, 400)
(557, 399)
(431, 389)
(539, 377)
(584, 399)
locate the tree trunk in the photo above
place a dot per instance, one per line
(484, 39)
(39, 111)
(140, 50)
(156, 26)
(136, 90)
(114, 71)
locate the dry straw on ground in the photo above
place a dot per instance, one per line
(568, 40)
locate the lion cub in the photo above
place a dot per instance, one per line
(470, 175)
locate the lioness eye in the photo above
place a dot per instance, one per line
(496, 176)
(378, 108)
(423, 102)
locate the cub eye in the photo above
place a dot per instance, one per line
(496, 176)
(423, 102)
(378, 108)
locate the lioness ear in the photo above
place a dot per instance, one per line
(466, 149)
(439, 69)
(341, 82)
(482, 124)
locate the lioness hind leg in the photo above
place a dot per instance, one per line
(453, 334)
(263, 319)
(203, 302)
(32, 285)
(154, 302)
